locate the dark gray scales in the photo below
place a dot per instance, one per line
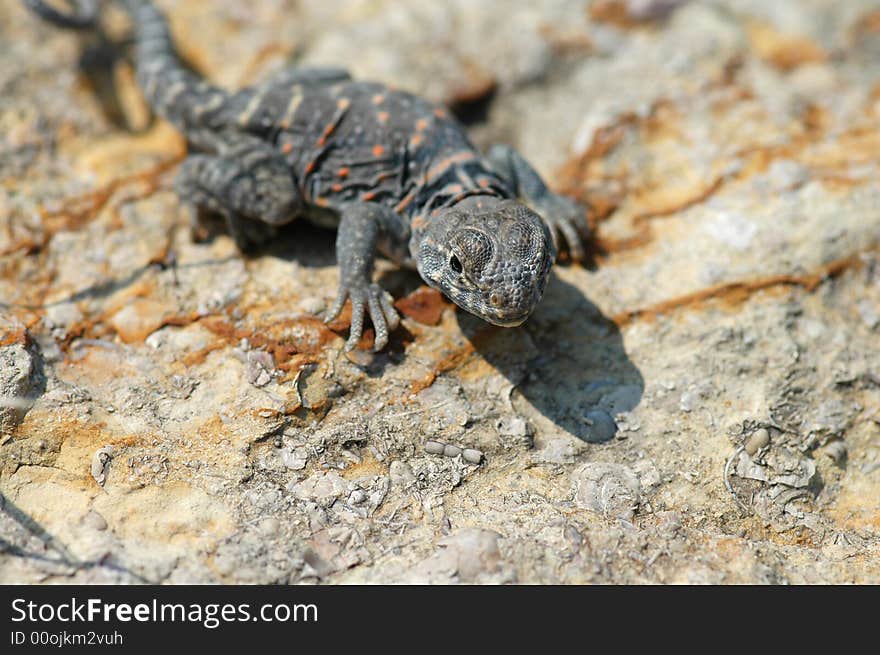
(396, 173)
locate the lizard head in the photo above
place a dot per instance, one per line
(492, 263)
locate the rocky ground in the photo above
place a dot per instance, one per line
(698, 406)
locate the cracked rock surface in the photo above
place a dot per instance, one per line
(701, 406)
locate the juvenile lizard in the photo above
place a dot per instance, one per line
(389, 170)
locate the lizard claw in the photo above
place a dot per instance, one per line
(567, 220)
(369, 298)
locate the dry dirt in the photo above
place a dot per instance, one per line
(198, 423)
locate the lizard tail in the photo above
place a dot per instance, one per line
(171, 89)
(83, 16)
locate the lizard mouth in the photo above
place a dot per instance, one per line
(504, 321)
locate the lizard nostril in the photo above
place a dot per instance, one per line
(496, 300)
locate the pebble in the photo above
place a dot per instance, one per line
(472, 455)
(688, 401)
(515, 431)
(312, 305)
(401, 474)
(138, 319)
(94, 520)
(470, 552)
(259, 367)
(572, 535)
(322, 488)
(269, 525)
(18, 373)
(836, 450)
(101, 463)
(434, 447)
(608, 488)
(759, 439)
(515, 426)
(600, 426)
(362, 358)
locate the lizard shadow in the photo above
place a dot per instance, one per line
(99, 57)
(567, 361)
(21, 531)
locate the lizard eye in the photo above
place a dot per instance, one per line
(455, 264)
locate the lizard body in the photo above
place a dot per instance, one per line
(391, 171)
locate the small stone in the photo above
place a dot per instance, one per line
(472, 455)
(316, 565)
(556, 451)
(784, 466)
(295, 459)
(182, 386)
(760, 438)
(649, 474)
(600, 426)
(401, 474)
(836, 450)
(451, 451)
(356, 497)
(434, 447)
(472, 552)
(269, 525)
(572, 535)
(611, 489)
(259, 367)
(869, 313)
(63, 315)
(358, 357)
(94, 521)
(515, 426)
(101, 464)
(313, 306)
(688, 401)
(138, 319)
(18, 375)
(323, 488)
(515, 431)
(315, 386)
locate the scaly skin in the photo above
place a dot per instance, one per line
(393, 172)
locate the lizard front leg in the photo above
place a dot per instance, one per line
(247, 182)
(562, 215)
(360, 226)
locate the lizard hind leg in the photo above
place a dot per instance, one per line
(204, 213)
(248, 184)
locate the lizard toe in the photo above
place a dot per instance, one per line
(372, 301)
(358, 296)
(391, 315)
(336, 309)
(377, 315)
(573, 238)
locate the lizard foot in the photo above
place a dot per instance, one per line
(250, 235)
(368, 298)
(567, 220)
